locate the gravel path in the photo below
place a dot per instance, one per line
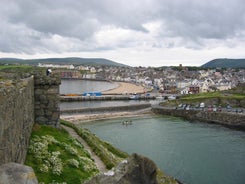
(100, 165)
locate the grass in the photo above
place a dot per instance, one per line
(107, 153)
(220, 98)
(56, 157)
(213, 95)
(15, 68)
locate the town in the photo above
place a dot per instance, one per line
(169, 80)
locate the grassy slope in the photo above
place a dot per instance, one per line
(75, 162)
(220, 97)
(108, 154)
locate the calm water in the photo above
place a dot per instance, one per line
(193, 153)
(81, 86)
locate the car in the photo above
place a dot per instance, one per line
(219, 109)
(180, 106)
(228, 108)
(202, 105)
(187, 107)
(214, 108)
(210, 109)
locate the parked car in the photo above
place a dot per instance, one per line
(214, 108)
(187, 107)
(219, 109)
(228, 108)
(210, 109)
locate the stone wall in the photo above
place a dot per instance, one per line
(16, 118)
(47, 109)
(86, 110)
(232, 120)
(24, 102)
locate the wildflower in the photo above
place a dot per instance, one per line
(73, 162)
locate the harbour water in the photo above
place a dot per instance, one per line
(82, 86)
(192, 152)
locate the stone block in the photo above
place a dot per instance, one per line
(41, 120)
(53, 90)
(13, 173)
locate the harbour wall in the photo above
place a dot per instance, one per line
(228, 119)
(101, 98)
(107, 109)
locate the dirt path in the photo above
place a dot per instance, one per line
(100, 165)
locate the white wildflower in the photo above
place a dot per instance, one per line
(73, 162)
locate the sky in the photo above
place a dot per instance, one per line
(132, 32)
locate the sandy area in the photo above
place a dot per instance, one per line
(83, 118)
(125, 88)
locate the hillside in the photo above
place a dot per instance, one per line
(225, 63)
(69, 60)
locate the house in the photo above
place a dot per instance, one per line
(194, 89)
(184, 90)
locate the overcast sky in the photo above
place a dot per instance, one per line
(133, 32)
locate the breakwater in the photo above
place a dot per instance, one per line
(107, 109)
(101, 98)
(231, 120)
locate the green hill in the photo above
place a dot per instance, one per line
(225, 63)
(69, 60)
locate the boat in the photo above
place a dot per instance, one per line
(172, 97)
(134, 97)
(127, 123)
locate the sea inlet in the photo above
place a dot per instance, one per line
(191, 152)
(194, 153)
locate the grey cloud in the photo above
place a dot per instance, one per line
(205, 19)
(31, 24)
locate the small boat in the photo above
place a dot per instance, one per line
(134, 97)
(172, 97)
(127, 123)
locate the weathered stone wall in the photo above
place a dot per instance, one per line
(16, 118)
(24, 102)
(233, 120)
(47, 109)
(85, 110)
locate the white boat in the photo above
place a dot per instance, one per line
(172, 97)
(134, 97)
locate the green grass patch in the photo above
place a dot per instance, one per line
(107, 153)
(234, 97)
(16, 68)
(57, 157)
(203, 96)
